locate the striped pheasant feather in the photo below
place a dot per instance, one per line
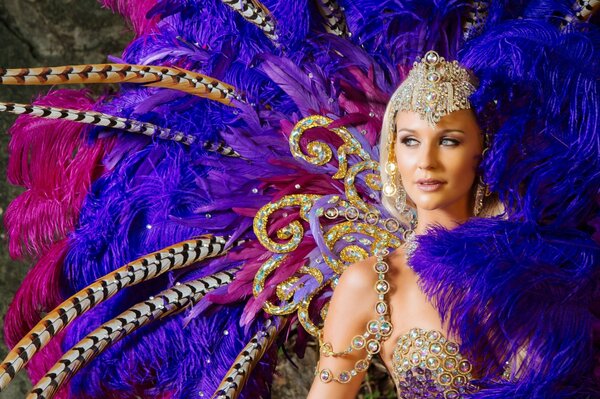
(166, 303)
(148, 267)
(233, 382)
(255, 13)
(158, 76)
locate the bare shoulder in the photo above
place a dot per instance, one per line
(354, 297)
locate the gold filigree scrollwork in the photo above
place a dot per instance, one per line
(286, 289)
(304, 314)
(320, 153)
(350, 188)
(378, 237)
(293, 231)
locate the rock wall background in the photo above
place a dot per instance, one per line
(59, 32)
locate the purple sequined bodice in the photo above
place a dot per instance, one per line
(428, 366)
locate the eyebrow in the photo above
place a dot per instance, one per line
(451, 130)
(440, 132)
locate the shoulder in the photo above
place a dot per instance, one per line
(358, 276)
(354, 297)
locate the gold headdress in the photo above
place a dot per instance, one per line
(434, 88)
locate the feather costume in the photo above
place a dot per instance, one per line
(179, 225)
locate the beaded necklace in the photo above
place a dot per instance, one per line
(377, 330)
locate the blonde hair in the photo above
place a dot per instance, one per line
(388, 128)
(491, 205)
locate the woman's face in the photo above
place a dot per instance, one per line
(438, 164)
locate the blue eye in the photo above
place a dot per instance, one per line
(448, 142)
(410, 141)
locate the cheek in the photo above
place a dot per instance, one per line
(463, 168)
(405, 162)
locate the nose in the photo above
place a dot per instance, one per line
(428, 156)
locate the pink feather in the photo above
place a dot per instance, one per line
(53, 161)
(135, 12)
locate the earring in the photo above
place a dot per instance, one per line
(481, 192)
(400, 203)
(390, 188)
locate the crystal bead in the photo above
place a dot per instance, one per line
(373, 327)
(325, 375)
(433, 77)
(382, 287)
(385, 328)
(459, 381)
(381, 308)
(464, 366)
(445, 379)
(432, 57)
(381, 267)
(452, 394)
(358, 342)
(450, 363)
(344, 377)
(451, 348)
(373, 346)
(361, 365)
(433, 363)
(435, 348)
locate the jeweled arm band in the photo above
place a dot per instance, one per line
(377, 331)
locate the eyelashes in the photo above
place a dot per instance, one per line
(444, 142)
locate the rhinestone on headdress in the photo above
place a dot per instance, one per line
(434, 88)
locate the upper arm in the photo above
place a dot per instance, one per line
(351, 307)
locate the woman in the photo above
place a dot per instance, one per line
(224, 226)
(437, 165)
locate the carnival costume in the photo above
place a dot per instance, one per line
(243, 150)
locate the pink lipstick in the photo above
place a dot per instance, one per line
(429, 185)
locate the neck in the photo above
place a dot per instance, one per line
(448, 218)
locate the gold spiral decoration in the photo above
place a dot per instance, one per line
(293, 232)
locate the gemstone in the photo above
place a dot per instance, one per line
(344, 377)
(431, 96)
(382, 287)
(373, 327)
(358, 342)
(325, 375)
(381, 267)
(451, 348)
(433, 363)
(361, 365)
(419, 342)
(373, 346)
(459, 381)
(450, 363)
(445, 379)
(464, 366)
(433, 335)
(435, 348)
(381, 308)
(431, 57)
(452, 394)
(415, 358)
(331, 213)
(433, 77)
(385, 328)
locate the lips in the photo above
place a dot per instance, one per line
(429, 185)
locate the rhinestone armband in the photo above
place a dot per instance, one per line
(378, 330)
